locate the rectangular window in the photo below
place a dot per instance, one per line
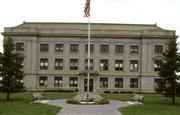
(59, 47)
(119, 65)
(91, 64)
(157, 82)
(157, 65)
(74, 48)
(134, 49)
(73, 81)
(158, 49)
(73, 64)
(118, 82)
(103, 82)
(104, 48)
(133, 82)
(91, 48)
(43, 81)
(133, 65)
(59, 64)
(19, 46)
(44, 47)
(58, 81)
(43, 63)
(104, 64)
(119, 49)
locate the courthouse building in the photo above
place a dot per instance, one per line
(124, 57)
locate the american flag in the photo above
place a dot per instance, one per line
(87, 9)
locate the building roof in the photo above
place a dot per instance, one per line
(108, 30)
(98, 26)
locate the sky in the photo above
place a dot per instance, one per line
(164, 13)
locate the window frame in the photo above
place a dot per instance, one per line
(103, 82)
(43, 81)
(134, 49)
(118, 83)
(134, 83)
(86, 64)
(73, 64)
(59, 62)
(74, 48)
(19, 46)
(158, 49)
(73, 81)
(119, 66)
(59, 47)
(104, 48)
(104, 64)
(44, 47)
(133, 66)
(58, 81)
(119, 49)
(44, 63)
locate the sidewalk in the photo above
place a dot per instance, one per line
(72, 109)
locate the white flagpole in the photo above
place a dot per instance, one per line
(89, 42)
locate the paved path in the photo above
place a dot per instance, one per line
(71, 109)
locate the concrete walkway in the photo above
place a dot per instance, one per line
(71, 109)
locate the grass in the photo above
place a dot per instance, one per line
(20, 104)
(153, 104)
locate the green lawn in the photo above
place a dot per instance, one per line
(153, 104)
(20, 104)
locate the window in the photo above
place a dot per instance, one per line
(91, 48)
(134, 49)
(43, 63)
(134, 83)
(133, 65)
(91, 64)
(119, 49)
(58, 64)
(157, 65)
(19, 46)
(119, 65)
(158, 49)
(44, 47)
(103, 82)
(43, 81)
(157, 82)
(73, 81)
(118, 82)
(58, 81)
(59, 47)
(74, 48)
(103, 64)
(104, 48)
(73, 64)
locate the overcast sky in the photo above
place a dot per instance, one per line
(166, 13)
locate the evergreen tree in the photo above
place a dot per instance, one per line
(11, 68)
(169, 67)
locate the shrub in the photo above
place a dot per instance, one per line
(127, 92)
(107, 91)
(102, 101)
(72, 101)
(115, 92)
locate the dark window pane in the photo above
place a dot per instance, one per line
(118, 82)
(19, 46)
(104, 48)
(119, 49)
(103, 82)
(133, 83)
(74, 48)
(43, 47)
(134, 49)
(73, 81)
(59, 47)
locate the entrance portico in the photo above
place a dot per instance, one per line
(93, 85)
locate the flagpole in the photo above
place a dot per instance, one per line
(89, 40)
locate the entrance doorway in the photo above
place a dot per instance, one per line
(90, 85)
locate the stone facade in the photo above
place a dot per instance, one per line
(124, 55)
